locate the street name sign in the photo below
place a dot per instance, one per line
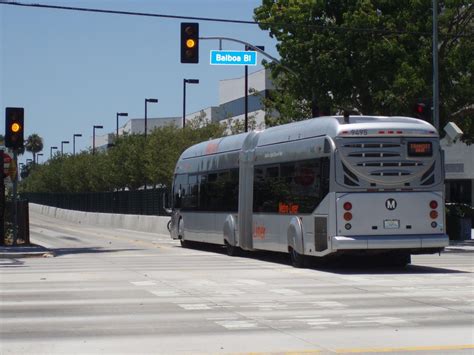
(233, 57)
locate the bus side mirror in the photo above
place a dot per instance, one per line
(166, 208)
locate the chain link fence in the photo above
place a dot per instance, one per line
(142, 202)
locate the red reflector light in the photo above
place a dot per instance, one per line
(381, 132)
(348, 216)
(433, 214)
(433, 205)
(347, 206)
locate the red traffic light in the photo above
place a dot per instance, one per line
(420, 107)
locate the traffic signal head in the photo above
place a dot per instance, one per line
(14, 129)
(422, 110)
(189, 42)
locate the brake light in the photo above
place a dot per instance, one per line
(347, 206)
(433, 204)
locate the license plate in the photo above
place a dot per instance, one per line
(391, 224)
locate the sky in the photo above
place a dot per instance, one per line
(72, 70)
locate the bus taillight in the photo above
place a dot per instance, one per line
(434, 214)
(347, 216)
(347, 206)
(433, 204)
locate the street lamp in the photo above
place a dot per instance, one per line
(93, 137)
(124, 114)
(51, 152)
(62, 143)
(37, 157)
(74, 142)
(186, 81)
(146, 118)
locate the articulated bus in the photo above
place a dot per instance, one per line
(320, 187)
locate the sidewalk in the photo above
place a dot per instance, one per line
(24, 251)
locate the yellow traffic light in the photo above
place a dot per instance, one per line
(190, 43)
(15, 127)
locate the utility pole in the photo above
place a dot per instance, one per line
(435, 67)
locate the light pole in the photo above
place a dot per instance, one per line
(146, 118)
(37, 157)
(74, 142)
(51, 152)
(246, 86)
(186, 81)
(93, 137)
(122, 114)
(62, 145)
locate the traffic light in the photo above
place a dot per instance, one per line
(14, 129)
(422, 110)
(189, 42)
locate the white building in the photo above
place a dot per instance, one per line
(232, 96)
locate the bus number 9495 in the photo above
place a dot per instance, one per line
(358, 132)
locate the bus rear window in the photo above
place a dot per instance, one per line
(420, 149)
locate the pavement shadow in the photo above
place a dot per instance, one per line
(359, 265)
(86, 250)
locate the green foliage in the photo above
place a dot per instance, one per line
(133, 162)
(373, 56)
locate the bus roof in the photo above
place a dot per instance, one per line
(332, 126)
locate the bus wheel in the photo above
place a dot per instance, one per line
(232, 250)
(297, 260)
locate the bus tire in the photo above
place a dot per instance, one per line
(232, 250)
(297, 260)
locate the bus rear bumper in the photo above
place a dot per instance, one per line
(368, 242)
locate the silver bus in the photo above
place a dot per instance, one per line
(323, 186)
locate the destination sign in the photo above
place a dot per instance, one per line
(233, 57)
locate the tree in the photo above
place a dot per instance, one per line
(373, 56)
(34, 145)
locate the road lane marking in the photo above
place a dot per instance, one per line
(195, 306)
(143, 283)
(237, 324)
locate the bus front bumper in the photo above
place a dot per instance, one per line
(368, 242)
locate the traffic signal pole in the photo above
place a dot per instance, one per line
(15, 200)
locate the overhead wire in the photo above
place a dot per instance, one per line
(223, 20)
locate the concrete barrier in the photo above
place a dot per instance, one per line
(151, 224)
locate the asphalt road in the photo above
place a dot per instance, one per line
(119, 291)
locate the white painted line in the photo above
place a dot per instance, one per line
(143, 283)
(194, 306)
(237, 324)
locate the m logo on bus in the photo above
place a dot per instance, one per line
(391, 204)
